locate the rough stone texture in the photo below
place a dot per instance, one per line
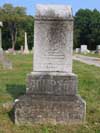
(53, 83)
(53, 11)
(7, 64)
(51, 95)
(53, 45)
(33, 109)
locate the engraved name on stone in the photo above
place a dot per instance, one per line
(48, 85)
(69, 115)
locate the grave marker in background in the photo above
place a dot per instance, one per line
(26, 51)
(98, 49)
(5, 62)
(84, 49)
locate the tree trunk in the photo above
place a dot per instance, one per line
(13, 31)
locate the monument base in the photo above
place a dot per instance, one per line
(51, 83)
(26, 52)
(43, 109)
(51, 97)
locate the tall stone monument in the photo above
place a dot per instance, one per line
(51, 95)
(26, 51)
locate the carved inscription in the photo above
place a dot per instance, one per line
(52, 86)
(55, 51)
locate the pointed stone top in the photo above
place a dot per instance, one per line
(53, 11)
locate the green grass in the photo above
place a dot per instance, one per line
(12, 85)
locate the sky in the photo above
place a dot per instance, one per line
(75, 4)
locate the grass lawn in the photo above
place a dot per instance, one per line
(12, 85)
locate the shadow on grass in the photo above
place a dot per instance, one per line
(15, 91)
(11, 115)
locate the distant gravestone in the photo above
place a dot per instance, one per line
(98, 49)
(77, 50)
(51, 95)
(6, 63)
(22, 50)
(10, 50)
(1, 56)
(84, 49)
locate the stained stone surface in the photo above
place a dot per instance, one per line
(53, 11)
(53, 46)
(7, 64)
(51, 94)
(43, 109)
(52, 83)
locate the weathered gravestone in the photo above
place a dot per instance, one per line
(77, 50)
(84, 49)
(51, 95)
(5, 62)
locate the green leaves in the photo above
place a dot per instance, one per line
(16, 22)
(87, 25)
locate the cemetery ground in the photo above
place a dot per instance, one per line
(13, 84)
(89, 54)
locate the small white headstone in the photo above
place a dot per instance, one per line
(84, 49)
(77, 50)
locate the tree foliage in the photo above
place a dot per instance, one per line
(16, 22)
(86, 29)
